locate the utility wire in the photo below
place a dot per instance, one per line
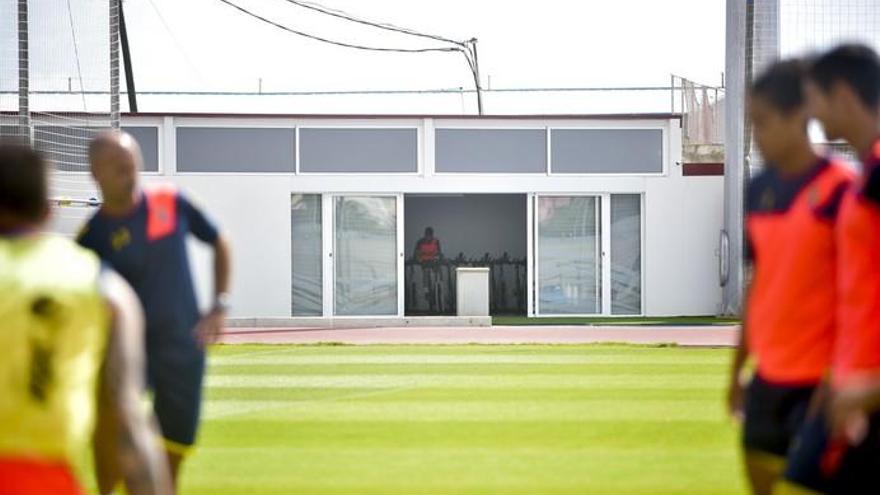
(174, 38)
(76, 52)
(381, 25)
(338, 43)
(467, 48)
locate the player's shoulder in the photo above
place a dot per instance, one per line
(93, 224)
(839, 170)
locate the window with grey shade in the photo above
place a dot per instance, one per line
(606, 151)
(243, 150)
(515, 151)
(148, 140)
(307, 260)
(626, 254)
(358, 151)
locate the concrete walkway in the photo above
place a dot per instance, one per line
(699, 336)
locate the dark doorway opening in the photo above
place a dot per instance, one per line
(443, 232)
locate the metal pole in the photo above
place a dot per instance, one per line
(24, 113)
(129, 70)
(672, 93)
(477, 77)
(114, 63)
(731, 245)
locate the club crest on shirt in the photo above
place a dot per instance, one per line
(120, 238)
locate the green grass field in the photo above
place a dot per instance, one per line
(465, 420)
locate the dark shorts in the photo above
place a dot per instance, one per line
(824, 465)
(859, 469)
(813, 456)
(175, 371)
(774, 415)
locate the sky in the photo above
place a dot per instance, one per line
(208, 46)
(205, 45)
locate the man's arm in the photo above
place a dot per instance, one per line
(211, 325)
(133, 450)
(416, 249)
(735, 388)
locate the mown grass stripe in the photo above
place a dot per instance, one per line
(679, 381)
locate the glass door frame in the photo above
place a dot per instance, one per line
(603, 253)
(328, 233)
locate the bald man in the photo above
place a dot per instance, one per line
(142, 234)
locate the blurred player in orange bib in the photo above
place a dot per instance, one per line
(791, 213)
(844, 456)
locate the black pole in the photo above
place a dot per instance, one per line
(477, 77)
(126, 55)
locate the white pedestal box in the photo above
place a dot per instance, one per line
(472, 291)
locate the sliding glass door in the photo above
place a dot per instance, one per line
(587, 254)
(568, 264)
(366, 255)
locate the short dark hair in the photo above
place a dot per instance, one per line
(782, 85)
(855, 65)
(23, 181)
(429, 230)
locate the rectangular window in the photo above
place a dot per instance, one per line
(244, 150)
(515, 151)
(358, 151)
(606, 151)
(305, 241)
(148, 140)
(626, 254)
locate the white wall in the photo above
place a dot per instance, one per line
(683, 215)
(682, 225)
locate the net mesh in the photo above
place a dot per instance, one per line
(702, 110)
(60, 86)
(794, 28)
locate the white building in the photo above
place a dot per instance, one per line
(596, 214)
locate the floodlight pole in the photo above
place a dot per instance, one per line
(750, 24)
(731, 239)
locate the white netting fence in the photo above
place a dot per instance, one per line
(794, 28)
(759, 32)
(63, 58)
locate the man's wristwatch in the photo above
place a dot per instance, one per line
(221, 302)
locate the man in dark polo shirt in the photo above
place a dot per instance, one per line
(141, 233)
